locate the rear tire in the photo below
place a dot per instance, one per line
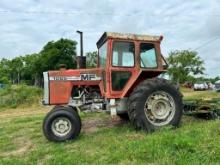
(155, 103)
(61, 124)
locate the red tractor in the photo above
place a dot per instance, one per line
(124, 83)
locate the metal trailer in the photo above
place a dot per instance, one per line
(208, 109)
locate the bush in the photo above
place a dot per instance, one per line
(13, 96)
(4, 80)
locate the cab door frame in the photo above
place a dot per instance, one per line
(133, 70)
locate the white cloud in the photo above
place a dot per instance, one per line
(184, 24)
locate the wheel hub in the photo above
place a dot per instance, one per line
(160, 108)
(61, 126)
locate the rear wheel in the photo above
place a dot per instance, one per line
(61, 124)
(155, 103)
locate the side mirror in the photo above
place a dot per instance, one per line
(164, 63)
(165, 66)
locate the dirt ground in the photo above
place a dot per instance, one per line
(89, 125)
(92, 125)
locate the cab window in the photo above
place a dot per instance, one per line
(123, 54)
(148, 55)
(102, 55)
(120, 79)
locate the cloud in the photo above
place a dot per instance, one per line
(184, 24)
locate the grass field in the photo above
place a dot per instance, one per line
(206, 95)
(108, 141)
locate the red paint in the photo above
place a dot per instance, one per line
(60, 91)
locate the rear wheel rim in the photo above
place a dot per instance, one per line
(61, 126)
(159, 108)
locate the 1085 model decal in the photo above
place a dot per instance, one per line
(82, 77)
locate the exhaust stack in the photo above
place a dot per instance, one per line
(81, 60)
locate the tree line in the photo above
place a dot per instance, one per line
(184, 66)
(28, 69)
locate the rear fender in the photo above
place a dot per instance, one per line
(143, 75)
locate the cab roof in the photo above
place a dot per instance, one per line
(127, 36)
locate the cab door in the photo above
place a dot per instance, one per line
(102, 65)
(122, 66)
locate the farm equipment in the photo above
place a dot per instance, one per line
(208, 109)
(217, 85)
(124, 83)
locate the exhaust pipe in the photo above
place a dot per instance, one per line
(81, 60)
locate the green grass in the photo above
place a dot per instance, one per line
(194, 142)
(19, 95)
(190, 94)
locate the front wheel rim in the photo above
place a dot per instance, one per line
(61, 126)
(160, 108)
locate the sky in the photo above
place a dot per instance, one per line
(27, 25)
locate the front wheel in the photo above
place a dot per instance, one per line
(61, 124)
(155, 103)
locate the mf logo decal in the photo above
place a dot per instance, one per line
(88, 77)
(82, 77)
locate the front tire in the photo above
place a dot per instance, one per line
(61, 124)
(155, 103)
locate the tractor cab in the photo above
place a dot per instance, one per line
(125, 58)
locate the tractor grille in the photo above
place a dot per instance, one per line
(46, 89)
